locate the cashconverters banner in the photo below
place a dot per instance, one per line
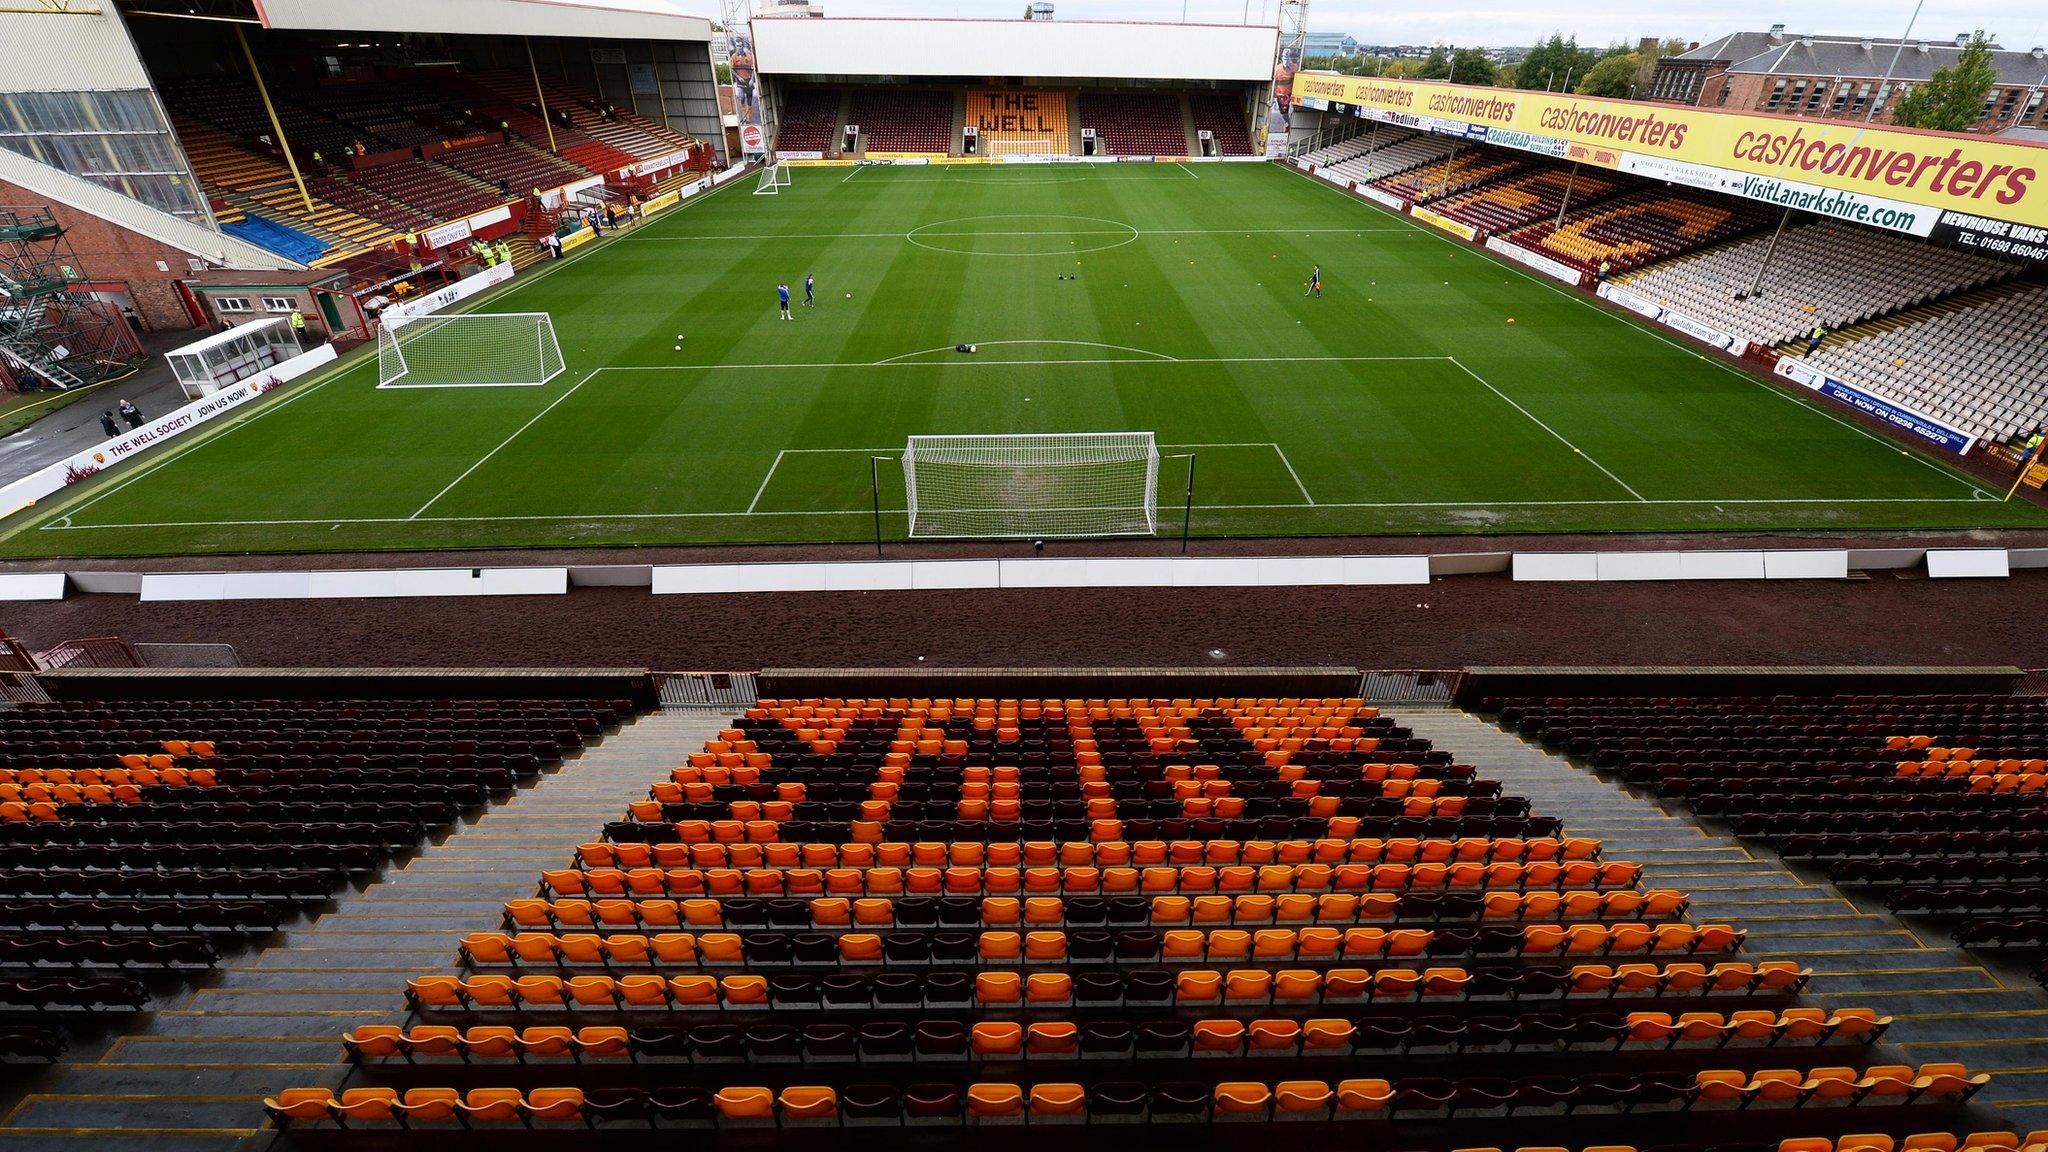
(1985, 193)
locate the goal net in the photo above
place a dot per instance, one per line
(469, 350)
(774, 178)
(1050, 484)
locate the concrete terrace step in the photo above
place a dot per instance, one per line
(192, 1075)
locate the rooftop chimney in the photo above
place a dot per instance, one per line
(1777, 33)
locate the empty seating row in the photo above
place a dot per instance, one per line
(902, 120)
(1342, 909)
(1175, 946)
(1931, 804)
(944, 1040)
(1132, 1101)
(155, 846)
(1459, 171)
(810, 120)
(1824, 273)
(1136, 123)
(1153, 879)
(1073, 854)
(659, 914)
(800, 992)
(1631, 230)
(1224, 118)
(1527, 197)
(1977, 364)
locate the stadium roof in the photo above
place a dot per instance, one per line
(598, 19)
(1785, 54)
(1034, 49)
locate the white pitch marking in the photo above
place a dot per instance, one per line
(1003, 343)
(777, 463)
(233, 423)
(1289, 465)
(501, 444)
(1695, 353)
(1034, 363)
(1576, 450)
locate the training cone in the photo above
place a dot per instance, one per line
(1511, 319)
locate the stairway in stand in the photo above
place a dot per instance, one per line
(1947, 1004)
(192, 1079)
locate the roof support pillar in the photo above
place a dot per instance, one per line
(537, 91)
(276, 125)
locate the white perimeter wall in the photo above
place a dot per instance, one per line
(1034, 49)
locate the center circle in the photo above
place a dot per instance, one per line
(1022, 234)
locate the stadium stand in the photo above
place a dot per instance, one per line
(1526, 198)
(1224, 118)
(622, 137)
(1930, 804)
(1977, 363)
(1021, 122)
(1435, 181)
(810, 120)
(239, 182)
(899, 120)
(1391, 153)
(144, 836)
(1641, 227)
(1820, 273)
(236, 107)
(437, 190)
(369, 204)
(907, 912)
(398, 111)
(1136, 123)
(524, 167)
(1354, 146)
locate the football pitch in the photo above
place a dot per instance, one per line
(1430, 389)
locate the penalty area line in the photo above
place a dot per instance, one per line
(1576, 450)
(501, 444)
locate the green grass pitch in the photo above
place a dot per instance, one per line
(1402, 401)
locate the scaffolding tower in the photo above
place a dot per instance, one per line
(52, 329)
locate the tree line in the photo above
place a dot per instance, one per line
(1951, 100)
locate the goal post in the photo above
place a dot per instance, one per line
(469, 350)
(774, 178)
(1059, 484)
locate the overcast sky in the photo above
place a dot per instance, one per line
(2015, 23)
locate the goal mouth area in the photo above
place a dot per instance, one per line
(1024, 486)
(774, 178)
(469, 350)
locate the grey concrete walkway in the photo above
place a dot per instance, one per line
(77, 426)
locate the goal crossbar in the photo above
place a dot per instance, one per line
(1046, 484)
